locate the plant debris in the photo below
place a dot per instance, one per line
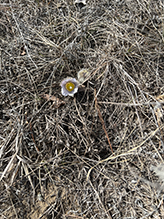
(56, 101)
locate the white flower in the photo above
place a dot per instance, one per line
(69, 86)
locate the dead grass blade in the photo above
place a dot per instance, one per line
(9, 166)
(6, 142)
(131, 151)
(14, 174)
(29, 178)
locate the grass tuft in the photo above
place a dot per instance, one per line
(97, 154)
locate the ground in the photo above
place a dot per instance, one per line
(100, 153)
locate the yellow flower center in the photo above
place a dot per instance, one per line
(70, 86)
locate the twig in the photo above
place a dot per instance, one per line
(102, 121)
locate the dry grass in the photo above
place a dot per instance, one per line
(56, 158)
